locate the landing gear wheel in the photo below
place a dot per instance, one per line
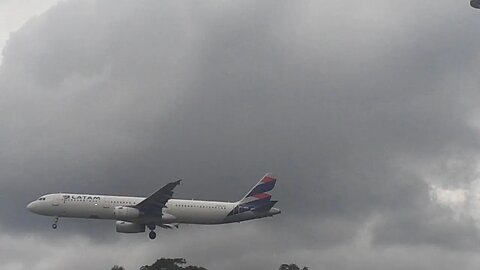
(54, 225)
(152, 235)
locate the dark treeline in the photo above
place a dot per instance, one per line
(180, 264)
(291, 267)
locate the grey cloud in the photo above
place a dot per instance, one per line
(348, 104)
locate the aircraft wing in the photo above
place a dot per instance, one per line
(158, 200)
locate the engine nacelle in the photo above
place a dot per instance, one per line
(475, 3)
(126, 213)
(129, 227)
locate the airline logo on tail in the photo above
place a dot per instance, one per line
(257, 199)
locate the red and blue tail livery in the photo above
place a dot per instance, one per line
(265, 184)
(257, 199)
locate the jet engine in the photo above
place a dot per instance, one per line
(129, 227)
(126, 213)
(475, 3)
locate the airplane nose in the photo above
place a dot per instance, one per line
(30, 206)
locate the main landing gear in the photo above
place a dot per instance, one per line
(54, 225)
(152, 234)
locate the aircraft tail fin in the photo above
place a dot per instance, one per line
(257, 199)
(265, 184)
(258, 195)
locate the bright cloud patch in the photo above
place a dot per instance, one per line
(449, 197)
(463, 202)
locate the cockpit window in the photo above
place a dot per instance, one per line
(41, 199)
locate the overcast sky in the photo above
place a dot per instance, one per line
(14, 13)
(367, 111)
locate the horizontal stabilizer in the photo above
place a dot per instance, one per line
(265, 207)
(169, 226)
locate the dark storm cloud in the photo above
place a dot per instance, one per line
(348, 104)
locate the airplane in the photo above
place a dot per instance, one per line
(133, 214)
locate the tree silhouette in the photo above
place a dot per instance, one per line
(177, 264)
(291, 267)
(170, 264)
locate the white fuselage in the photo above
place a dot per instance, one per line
(176, 211)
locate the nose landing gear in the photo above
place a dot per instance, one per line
(54, 225)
